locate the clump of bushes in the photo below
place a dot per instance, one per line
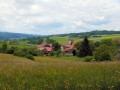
(20, 53)
(23, 53)
(4, 48)
(29, 56)
(88, 58)
(11, 50)
(56, 53)
(103, 53)
(103, 50)
(28, 53)
(117, 57)
(52, 53)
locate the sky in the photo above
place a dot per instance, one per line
(46, 17)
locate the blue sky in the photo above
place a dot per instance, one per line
(47, 17)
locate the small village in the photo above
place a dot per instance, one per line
(68, 47)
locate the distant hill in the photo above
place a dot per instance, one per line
(8, 35)
(83, 34)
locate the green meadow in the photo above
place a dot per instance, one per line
(65, 39)
(51, 73)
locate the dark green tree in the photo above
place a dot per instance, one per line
(85, 48)
(56, 46)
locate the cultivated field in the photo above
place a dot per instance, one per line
(49, 73)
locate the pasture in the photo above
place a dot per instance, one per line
(65, 39)
(48, 73)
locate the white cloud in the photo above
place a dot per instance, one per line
(73, 15)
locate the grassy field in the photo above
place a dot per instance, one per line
(65, 39)
(49, 73)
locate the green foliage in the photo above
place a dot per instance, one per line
(40, 53)
(56, 45)
(88, 58)
(20, 53)
(48, 40)
(29, 56)
(12, 50)
(52, 53)
(35, 40)
(97, 43)
(117, 41)
(85, 48)
(4, 46)
(56, 53)
(108, 42)
(33, 51)
(103, 53)
(111, 45)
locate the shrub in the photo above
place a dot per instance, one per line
(4, 48)
(29, 56)
(103, 53)
(12, 50)
(52, 53)
(97, 43)
(32, 51)
(57, 53)
(40, 53)
(23, 53)
(88, 58)
(117, 57)
(19, 53)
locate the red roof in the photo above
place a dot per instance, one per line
(67, 49)
(44, 45)
(47, 47)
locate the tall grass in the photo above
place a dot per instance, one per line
(52, 74)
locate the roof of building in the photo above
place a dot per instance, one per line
(44, 45)
(47, 47)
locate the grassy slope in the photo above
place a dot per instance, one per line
(57, 74)
(65, 39)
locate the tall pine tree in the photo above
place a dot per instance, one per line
(85, 48)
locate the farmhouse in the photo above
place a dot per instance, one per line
(66, 47)
(47, 47)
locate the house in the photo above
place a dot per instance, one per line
(67, 47)
(47, 47)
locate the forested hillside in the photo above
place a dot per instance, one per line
(7, 35)
(96, 32)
